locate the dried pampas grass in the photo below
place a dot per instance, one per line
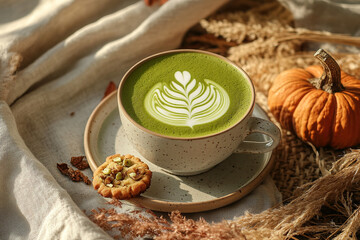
(320, 186)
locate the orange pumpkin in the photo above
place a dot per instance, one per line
(321, 104)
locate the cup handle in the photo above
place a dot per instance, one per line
(259, 125)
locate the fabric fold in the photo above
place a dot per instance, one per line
(32, 202)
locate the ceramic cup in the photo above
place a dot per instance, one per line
(194, 155)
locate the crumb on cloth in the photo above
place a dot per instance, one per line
(74, 175)
(79, 162)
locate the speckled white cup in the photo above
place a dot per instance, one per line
(194, 155)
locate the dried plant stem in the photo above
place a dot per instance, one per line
(210, 39)
(321, 164)
(288, 219)
(313, 36)
(353, 225)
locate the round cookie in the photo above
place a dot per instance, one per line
(122, 177)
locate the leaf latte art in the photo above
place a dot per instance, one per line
(186, 101)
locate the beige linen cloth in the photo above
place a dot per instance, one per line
(57, 57)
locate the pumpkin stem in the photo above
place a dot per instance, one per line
(330, 81)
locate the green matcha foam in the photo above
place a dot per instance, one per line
(186, 94)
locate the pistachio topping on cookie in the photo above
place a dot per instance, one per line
(122, 177)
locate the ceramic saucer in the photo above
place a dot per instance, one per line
(227, 182)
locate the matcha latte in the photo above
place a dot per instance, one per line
(186, 94)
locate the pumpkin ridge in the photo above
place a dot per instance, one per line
(290, 80)
(302, 113)
(349, 80)
(353, 90)
(333, 122)
(295, 73)
(313, 126)
(288, 109)
(318, 121)
(331, 99)
(354, 102)
(340, 135)
(315, 70)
